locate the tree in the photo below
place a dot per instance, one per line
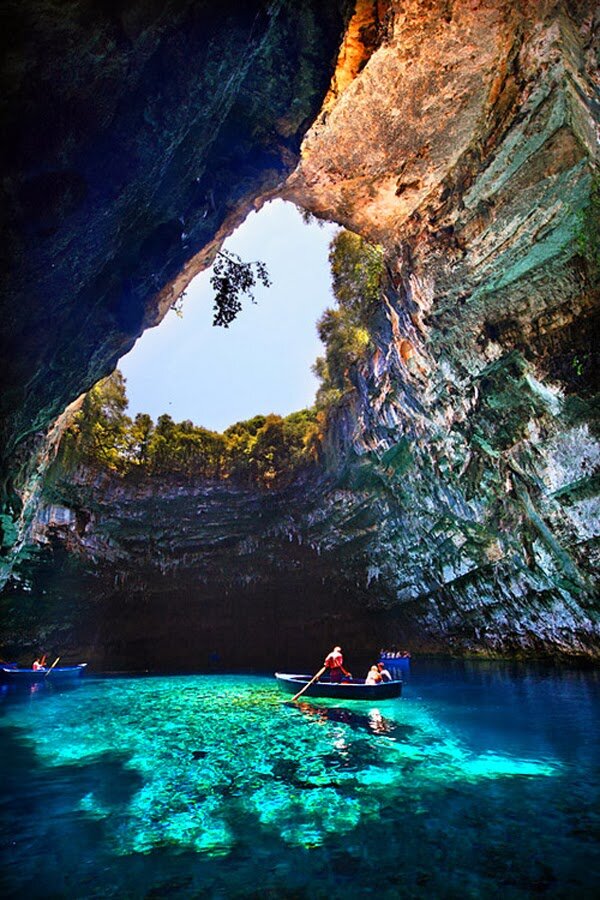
(345, 345)
(302, 434)
(231, 279)
(265, 451)
(161, 445)
(101, 427)
(198, 452)
(357, 270)
(240, 441)
(141, 435)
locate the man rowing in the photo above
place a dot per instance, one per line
(334, 662)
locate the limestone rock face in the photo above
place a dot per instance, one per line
(141, 573)
(467, 146)
(458, 508)
(454, 90)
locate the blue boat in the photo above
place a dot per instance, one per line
(11, 675)
(351, 689)
(395, 663)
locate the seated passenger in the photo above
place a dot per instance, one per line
(385, 675)
(373, 676)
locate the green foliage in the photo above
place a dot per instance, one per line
(231, 279)
(186, 449)
(268, 450)
(101, 429)
(357, 269)
(142, 430)
(265, 451)
(346, 344)
(309, 218)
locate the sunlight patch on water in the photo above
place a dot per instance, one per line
(213, 753)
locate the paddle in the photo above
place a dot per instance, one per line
(52, 666)
(308, 684)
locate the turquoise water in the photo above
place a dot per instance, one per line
(483, 780)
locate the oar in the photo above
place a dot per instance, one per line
(52, 666)
(306, 686)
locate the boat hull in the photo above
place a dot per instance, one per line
(396, 663)
(31, 676)
(354, 689)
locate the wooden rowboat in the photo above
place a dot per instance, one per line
(352, 689)
(33, 676)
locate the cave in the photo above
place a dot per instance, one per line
(454, 501)
(439, 499)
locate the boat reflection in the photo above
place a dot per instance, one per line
(372, 721)
(380, 725)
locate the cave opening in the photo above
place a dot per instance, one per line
(263, 363)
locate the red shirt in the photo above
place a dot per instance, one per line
(334, 660)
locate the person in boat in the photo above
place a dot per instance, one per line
(39, 663)
(373, 676)
(334, 663)
(385, 675)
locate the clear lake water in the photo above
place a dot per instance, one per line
(483, 780)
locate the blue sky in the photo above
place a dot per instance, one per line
(262, 362)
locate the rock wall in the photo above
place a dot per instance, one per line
(145, 573)
(468, 146)
(458, 508)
